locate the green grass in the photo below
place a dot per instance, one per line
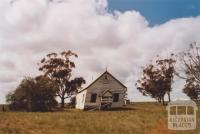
(137, 118)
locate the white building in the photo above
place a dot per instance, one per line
(105, 92)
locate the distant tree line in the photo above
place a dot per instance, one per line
(157, 78)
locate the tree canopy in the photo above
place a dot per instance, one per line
(190, 71)
(33, 94)
(157, 79)
(58, 67)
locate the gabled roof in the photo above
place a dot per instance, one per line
(106, 72)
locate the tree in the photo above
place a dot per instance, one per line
(192, 90)
(157, 79)
(58, 67)
(3, 108)
(190, 71)
(33, 94)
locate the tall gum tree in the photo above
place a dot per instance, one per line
(189, 70)
(157, 79)
(58, 67)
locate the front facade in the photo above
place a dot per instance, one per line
(105, 92)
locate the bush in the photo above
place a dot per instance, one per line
(33, 94)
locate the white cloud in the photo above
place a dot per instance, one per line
(123, 42)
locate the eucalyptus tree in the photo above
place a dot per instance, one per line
(157, 79)
(58, 67)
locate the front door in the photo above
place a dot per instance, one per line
(106, 100)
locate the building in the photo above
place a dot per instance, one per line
(105, 92)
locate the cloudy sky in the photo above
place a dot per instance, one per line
(122, 35)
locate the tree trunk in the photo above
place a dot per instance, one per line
(159, 99)
(62, 102)
(163, 101)
(29, 105)
(169, 97)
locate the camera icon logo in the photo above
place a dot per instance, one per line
(182, 115)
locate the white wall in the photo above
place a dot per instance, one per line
(120, 103)
(80, 100)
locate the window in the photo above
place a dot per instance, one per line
(93, 98)
(106, 77)
(181, 110)
(115, 97)
(190, 110)
(173, 110)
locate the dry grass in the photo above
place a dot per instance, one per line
(138, 118)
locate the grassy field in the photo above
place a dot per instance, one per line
(137, 118)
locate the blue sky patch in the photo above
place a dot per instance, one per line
(159, 11)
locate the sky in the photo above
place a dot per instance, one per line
(120, 35)
(158, 11)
